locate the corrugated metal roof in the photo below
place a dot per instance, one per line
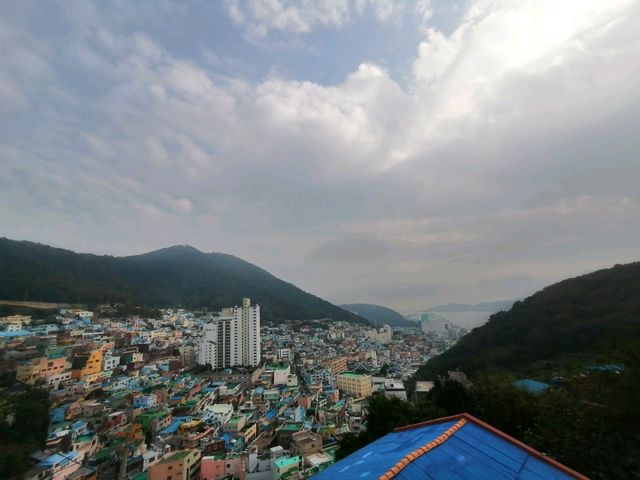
(467, 450)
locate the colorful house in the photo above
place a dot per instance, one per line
(182, 465)
(87, 366)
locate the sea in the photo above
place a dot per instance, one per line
(468, 320)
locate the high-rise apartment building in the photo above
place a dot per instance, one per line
(233, 338)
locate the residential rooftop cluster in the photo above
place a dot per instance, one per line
(144, 398)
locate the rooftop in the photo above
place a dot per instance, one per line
(290, 426)
(352, 375)
(177, 456)
(287, 461)
(460, 447)
(532, 386)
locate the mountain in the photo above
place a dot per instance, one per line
(591, 319)
(179, 275)
(379, 314)
(490, 307)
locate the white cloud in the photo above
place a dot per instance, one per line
(259, 18)
(184, 205)
(509, 153)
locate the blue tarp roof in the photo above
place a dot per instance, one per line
(16, 333)
(57, 414)
(173, 427)
(472, 452)
(79, 424)
(271, 414)
(227, 437)
(532, 386)
(612, 367)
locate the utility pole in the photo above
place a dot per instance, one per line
(123, 453)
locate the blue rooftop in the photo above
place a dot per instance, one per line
(532, 386)
(227, 437)
(57, 414)
(473, 451)
(16, 333)
(58, 459)
(271, 414)
(612, 367)
(173, 427)
(79, 425)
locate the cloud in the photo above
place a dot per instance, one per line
(510, 151)
(351, 249)
(260, 18)
(391, 292)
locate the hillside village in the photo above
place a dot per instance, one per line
(129, 399)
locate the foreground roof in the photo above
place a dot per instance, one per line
(457, 447)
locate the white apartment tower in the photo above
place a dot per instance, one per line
(233, 338)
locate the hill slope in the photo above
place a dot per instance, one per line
(379, 314)
(583, 320)
(178, 275)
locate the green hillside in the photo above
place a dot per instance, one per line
(179, 275)
(582, 337)
(594, 318)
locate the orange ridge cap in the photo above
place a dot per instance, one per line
(411, 456)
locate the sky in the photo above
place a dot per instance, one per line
(405, 153)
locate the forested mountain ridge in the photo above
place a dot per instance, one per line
(179, 275)
(379, 315)
(588, 319)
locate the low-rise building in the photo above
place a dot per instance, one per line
(305, 443)
(87, 365)
(337, 365)
(110, 362)
(182, 465)
(354, 384)
(286, 466)
(235, 424)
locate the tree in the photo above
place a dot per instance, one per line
(385, 414)
(24, 420)
(452, 397)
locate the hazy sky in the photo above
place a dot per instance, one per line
(402, 153)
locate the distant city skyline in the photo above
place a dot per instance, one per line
(402, 153)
